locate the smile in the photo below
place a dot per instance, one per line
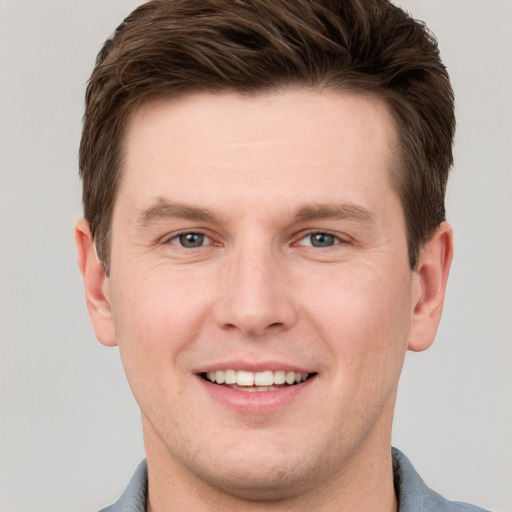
(242, 380)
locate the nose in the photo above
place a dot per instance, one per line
(256, 299)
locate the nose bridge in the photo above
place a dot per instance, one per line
(255, 297)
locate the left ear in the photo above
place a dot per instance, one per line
(431, 276)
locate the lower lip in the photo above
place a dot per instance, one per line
(256, 401)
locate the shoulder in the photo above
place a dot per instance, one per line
(414, 495)
(133, 498)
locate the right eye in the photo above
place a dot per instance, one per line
(190, 240)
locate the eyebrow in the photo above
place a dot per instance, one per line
(335, 212)
(163, 209)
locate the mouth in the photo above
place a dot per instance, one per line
(268, 380)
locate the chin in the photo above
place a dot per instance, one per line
(263, 483)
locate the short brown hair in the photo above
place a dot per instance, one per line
(172, 47)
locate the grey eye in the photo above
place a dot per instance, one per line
(191, 240)
(322, 240)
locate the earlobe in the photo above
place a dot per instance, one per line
(429, 288)
(96, 285)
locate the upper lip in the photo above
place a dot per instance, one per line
(248, 366)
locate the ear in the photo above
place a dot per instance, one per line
(431, 276)
(96, 285)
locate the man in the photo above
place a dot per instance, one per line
(264, 239)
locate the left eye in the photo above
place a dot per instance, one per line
(319, 240)
(190, 240)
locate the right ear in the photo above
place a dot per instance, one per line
(96, 285)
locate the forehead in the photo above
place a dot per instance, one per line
(279, 145)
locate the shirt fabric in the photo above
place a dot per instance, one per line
(412, 493)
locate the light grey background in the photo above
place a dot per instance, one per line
(70, 434)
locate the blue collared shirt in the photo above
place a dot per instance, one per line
(413, 495)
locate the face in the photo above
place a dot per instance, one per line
(260, 292)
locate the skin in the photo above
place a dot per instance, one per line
(256, 176)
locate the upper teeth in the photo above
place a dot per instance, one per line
(266, 378)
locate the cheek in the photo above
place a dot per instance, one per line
(157, 319)
(363, 317)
